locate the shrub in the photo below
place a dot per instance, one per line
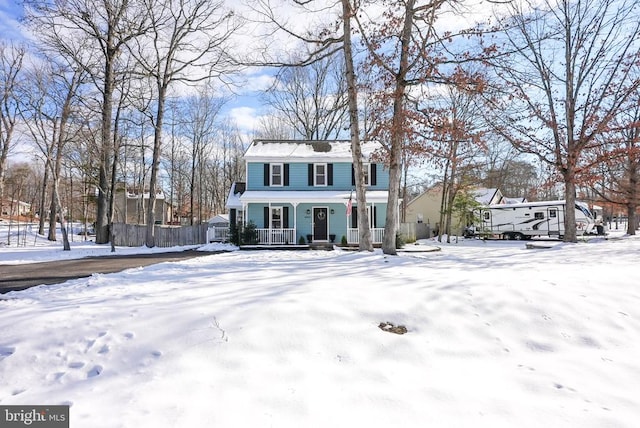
(343, 240)
(234, 234)
(250, 234)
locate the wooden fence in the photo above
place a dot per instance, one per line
(134, 235)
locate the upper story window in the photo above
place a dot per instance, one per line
(370, 174)
(276, 174)
(367, 173)
(320, 174)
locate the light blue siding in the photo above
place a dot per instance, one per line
(299, 180)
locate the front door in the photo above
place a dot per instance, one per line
(320, 229)
(554, 222)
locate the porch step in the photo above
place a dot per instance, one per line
(326, 246)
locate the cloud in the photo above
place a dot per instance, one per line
(246, 118)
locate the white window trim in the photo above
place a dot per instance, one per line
(281, 165)
(315, 174)
(367, 173)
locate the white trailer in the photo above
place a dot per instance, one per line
(528, 219)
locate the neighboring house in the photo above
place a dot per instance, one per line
(301, 189)
(218, 228)
(130, 206)
(220, 220)
(14, 208)
(425, 208)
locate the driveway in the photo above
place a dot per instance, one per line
(23, 276)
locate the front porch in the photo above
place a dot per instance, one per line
(288, 236)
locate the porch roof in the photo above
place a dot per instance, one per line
(298, 196)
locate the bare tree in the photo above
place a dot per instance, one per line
(565, 75)
(616, 175)
(187, 42)
(275, 126)
(11, 69)
(396, 66)
(92, 33)
(199, 126)
(458, 144)
(47, 109)
(312, 99)
(334, 37)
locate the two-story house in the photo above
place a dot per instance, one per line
(297, 189)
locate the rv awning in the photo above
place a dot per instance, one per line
(297, 196)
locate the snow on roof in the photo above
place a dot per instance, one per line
(485, 196)
(506, 200)
(220, 218)
(297, 149)
(233, 199)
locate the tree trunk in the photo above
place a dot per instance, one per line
(570, 211)
(155, 167)
(398, 133)
(102, 217)
(52, 216)
(43, 198)
(364, 230)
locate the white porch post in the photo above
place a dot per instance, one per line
(295, 221)
(269, 225)
(244, 215)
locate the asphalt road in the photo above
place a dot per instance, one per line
(23, 276)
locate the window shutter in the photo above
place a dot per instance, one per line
(375, 209)
(372, 179)
(286, 174)
(285, 217)
(330, 174)
(267, 173)
(310, 169)
(353, 175)
(266, 217)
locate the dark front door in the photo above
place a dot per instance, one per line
(320, 224)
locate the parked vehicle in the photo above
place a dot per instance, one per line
(528, 219)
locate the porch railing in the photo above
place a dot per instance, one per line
(377, 235)
(276, 236)
(287, 236)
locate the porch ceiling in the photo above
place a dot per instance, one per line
(293, 196)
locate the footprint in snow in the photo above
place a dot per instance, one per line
(95, 371)
(6, 351)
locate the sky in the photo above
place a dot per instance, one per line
(497, 336)
(245, 107)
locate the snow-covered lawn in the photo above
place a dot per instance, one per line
(498, 336)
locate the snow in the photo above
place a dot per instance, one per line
(340, 150)
(498, 336)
